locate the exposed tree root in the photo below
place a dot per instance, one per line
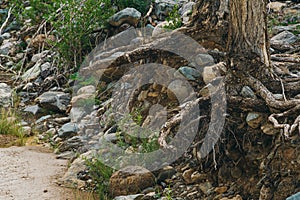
(268, 96)
(291, 106)
(287, 129)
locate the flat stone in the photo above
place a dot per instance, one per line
(177, 90)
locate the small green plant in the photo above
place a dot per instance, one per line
(10, 125)
(174, 19)
(100, 174)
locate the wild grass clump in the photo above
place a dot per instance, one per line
(10, 125)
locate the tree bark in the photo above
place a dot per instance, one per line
(209, 24)
(248, 40)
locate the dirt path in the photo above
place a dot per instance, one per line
(29, 173)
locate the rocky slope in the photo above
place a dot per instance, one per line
(62, 112)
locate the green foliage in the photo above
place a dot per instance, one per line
(174, 19)
(140, 5)
(72, 21)
(286, 20)
(142, 140)
(100, 174)
(10, 125)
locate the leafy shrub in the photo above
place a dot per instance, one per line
(73, 21)
(174, 19)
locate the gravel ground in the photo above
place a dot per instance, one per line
(29, 173)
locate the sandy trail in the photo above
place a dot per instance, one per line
(29, 173)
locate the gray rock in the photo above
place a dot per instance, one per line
(32, 73)
(71, 144)
(186, 11)
(204, 60)
(36, 70)
(278, 96)
(77, 113)
(42, 119)
(177, 90)
(6, 35)
(297, 96)
(163, 7)
(205, 187)
(248, 93)
(35, 109)
(129, 197)
(254, 119)
(276, 6)
(291, 28)
(26, 130)
(127, 15)
(190, 73)
(54, 101)
(5, 95)
(90, 89)
(36, 57)
(6, 47)
(66, 155)
(283, 38)
(68, 130)
(70, 179)
(210, 73)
